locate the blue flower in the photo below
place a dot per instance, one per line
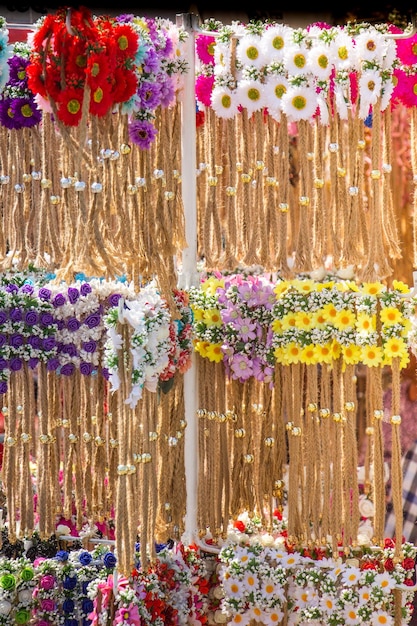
(70, 582)
(62, 555)
(85, 558)
(109, 560)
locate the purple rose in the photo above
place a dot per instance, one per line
(70, 349)
(34, 341)
(15, 364)
(114, 299)
(3, 317)
(86, 368)
(59, 300)
(105, 373)
(3, 340)
(48, 605)
(68, 369)
(33, 362)
(44, 293)
(3, 364)
(31, 318)
(16, 340)
(12, 288)
(47, 582)
(16, 315)
(93, 320)
(27, 288)
(73, 324)
(48, 343)
(85, 289)
(73, 294)
(46, 319)
(3, 386)
(52, 364)
(60, 324)
(90, 346)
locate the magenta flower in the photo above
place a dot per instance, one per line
(47, 582)
(129, 614)
(205, 48)
(203, 88)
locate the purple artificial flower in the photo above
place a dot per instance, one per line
(105, 373)
(44, 293)
(70, 349)
(67, 369)
(16, 340)
(33, 362)
(85, 558)
(3, 387)
(31, 317)
(229, 315)
(168, 48)
(3, 364)
(15, 364)
(16, 315)
(27, 288)
(3, 317)
(6, 115)
(59, 300)
(17, 72)
(12, 288)
(262, 371)
(3, 340)
(241, 366)
(245, 327)
(52, 364)
(46, 319)
(34, 341)
(48, 605)
(149, 95)
(73, 294)
(48, 344)
(92, 320)
(167, 90)
(114, 299)
(47, 582)
(90, 346)
(125, 17)
(25, 112)
(73, 324)
(142, 133)
(151, 63)
(60, 324)
(85, 289)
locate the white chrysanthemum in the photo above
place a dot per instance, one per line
(343, 52)
(249, 51)
(350, 615)
(371, 46)
(351, 576)
(299, 103)
(224, 102)
(274, 88)
(381, 617)
(274, 42)
(319, 61)
(296, 59)
(370, 86)
(222, 58)
(250, 94)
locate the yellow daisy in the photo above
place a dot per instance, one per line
(319, 319)
(351, 354)
(201, 347)
(350, 286)
(394, 347)
(211, 284)
(304, 320)
(304, 286)
(365, 323)
(398, 285)
(324, 353)
(407, 325)
(372, 356)
(277, 326)
(198, 314)
(212, 317)
(309, 355)
(330, 312)
(281, 287)
(292, 353)
(372, 289)
(336, 349)
(279, 354)
(289, 321)
(344, 319)
(390, 315)
(214, 352)
(327, 285)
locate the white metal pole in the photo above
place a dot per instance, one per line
(189, 274)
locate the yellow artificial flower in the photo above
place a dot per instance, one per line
(394, 347)
(344, 319)
(351, 354)
(336, 349)
(327, 285)
(351, 286)
(277, 326)
(292, 353)
(211, 284)
(214, 352)
(212, 317)
(407, 326)
(309, 355)
(365, 323)
(319, 319)
(398, 285)
(201, 347)
(390, 315)
(279, 354)
(198, 314)
(329, 311)
(372, 356)
(324, 353)
(281, 287)
(304, 320)
(372, 289)
(304, 286)
(289, 321)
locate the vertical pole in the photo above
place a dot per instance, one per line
(188, 275)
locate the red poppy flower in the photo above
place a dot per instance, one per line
(100, 100)
(124, 85)
(70, 105)
(126, 40)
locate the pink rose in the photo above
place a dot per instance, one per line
(47, 582)
(48, 605)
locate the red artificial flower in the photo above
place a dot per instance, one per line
(200, 118)
(239, 525)
(44, 32)
(97, 69)
(408, 563)
(126, 39)
(100, 100)
(35, 77)
(389, 565)
(76, 62)
(82, 23)
(389, 543)
(70, 106)
(409, 582)
(53, 84)
(369, 565)
(203, 586)
(278, 514)
(124, 84)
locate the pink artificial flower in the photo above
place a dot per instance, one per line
(203, 88)
(205, 48)
(48, 605)
(38, 561)
(407, 50)
(47, 582)
(129, 614)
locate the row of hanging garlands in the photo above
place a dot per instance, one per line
(305, 146)
(92, 397)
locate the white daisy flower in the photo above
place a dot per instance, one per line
(222, 58)
(364, 595)
(343, 53)
(272, 616)
(299, 103)
(385, 582)
(270, 589)
(381, 618)
(242, 555)
(240, 619)
(302, 596)
(328, 603)
(390, 55)
(319, 61)
(369, 86)
(274, 41)
(250, 94)
(342, 101)
(350, 615)
(224, 102)
(250, 581)
(256, 613)
(233, 587)
(371, 46)
(351, 576)
(274, 88)
(290, 560)
(296, 59)
(249, 51)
